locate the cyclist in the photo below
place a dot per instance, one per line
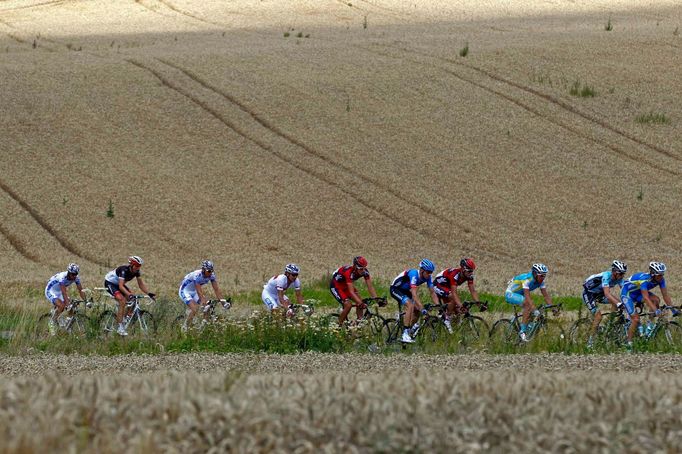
(191, 293)
(597, 289)
(404, 291)
(446, 283)
(518, 293)
(273, 295)
(58, 296)
(115, 282)
(637, 289)
(343, 290)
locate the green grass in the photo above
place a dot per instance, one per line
(582, 90)
(657, 118)
(464, 51)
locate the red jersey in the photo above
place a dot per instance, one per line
(347, 274)
(451, 276)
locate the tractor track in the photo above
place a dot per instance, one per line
(65, 243)
(277, 133)
(572, 129)
(18, 245)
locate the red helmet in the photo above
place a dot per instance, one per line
(467, 264)
(360, 261)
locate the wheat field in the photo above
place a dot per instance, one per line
(262, 132)
(341, 403)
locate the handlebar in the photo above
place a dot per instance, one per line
(482, 305)
(380, 300)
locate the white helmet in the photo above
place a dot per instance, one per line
(135, 260)
(540, 268)
(292, 268)
(656, 268)
(207, 265)
(618, 267)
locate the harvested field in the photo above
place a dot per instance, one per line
(307, 404)
(238, 130)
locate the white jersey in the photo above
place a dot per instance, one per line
(53, 284)
(280, 282)
(195, 278)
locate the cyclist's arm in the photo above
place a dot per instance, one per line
(666, 297)
(142, 285)
(370, 287)
(472, 290)
(65, 294)
(81, 292)
(353, 293)
(434, 297)
(545, 294)
(122, 287)
(526, 296)
(611, 298)
(216, 289)
(282, 301)
(645, 296)
(299, 296)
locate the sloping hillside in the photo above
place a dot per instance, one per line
(262, 132)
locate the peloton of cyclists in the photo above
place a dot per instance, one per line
(273, 295)
(404, 291)
(518, 293)
(342, 288)
(57, 294)
(637, 289)
(192, 294)
(115, 283)
(597, 290)
(446, 283)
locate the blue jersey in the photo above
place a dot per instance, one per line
(410, 278)
(523, 281)
(196, 278)
(596, 283)
(640, 281)
(60, 279)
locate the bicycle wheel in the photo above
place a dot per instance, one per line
(143, 324)
(473, 329)
(78, 325)
(667, 335)
(432, 329)
(552, 333)
(580, 331)
(504, 331)
(41, 330)
(107, 323)
(391, 330)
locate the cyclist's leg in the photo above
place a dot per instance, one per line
(115, 292)
(591, 302)
(629, 304)
(404, 302)
(271, 301)
(191, 300)
(517, 300)
(342, 298)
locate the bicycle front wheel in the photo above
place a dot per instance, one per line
(473, 329)
(667, 335)
(143, 324)
(107, 323)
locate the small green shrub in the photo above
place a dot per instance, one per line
(658, 118)
(609, 26)
(582, 91)
(464, 51)
(110, 210)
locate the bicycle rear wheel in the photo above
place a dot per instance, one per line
(504, 331)
(41, 330)
(78, 326)
(580, 331)
(107, 323)
(391, 330)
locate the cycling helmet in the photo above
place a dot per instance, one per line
(427, 265)
(467, 264)
(292, 268)
(360, 261)
(135, 260)
(618, 267)
(540, 268)
(656, 268)
(207, 265)
(73, 268)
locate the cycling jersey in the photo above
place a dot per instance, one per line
(270, 297)
(123, 271)
(188, 287)
(408, 279)
(340, 279)
(53, 290)
(637, 282)
(524, 281)
(452, 276)
(596, 283)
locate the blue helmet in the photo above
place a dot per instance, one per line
(292, 268)
(427, 265)
(207, 265)
(539, 268)
(73, 268)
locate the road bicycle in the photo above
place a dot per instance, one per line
(135, 321)
(506, 330)
(71, 321)
(205, 315)
(371, 324)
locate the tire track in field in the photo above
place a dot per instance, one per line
(574, 130)
(66, 244)
(18, 245)
(34, 5)
(165, 4)
(11, 34)
(309, 170)
(321, 156)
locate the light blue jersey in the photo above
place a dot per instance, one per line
(524, 281)
(596, 283)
